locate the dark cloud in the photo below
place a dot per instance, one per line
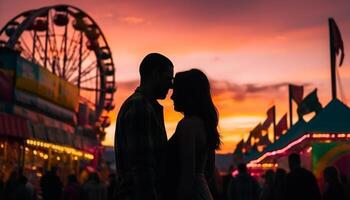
(252, 88)
(240, 92)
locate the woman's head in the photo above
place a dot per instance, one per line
(191, 96)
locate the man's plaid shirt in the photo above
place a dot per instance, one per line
(140, 142)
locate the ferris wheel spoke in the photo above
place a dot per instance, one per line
(46, 39)
(90, 89)
(53, 63)
(71, 41)
(76, 61)
(88, 79)
(71, 57)
(85, 71)
(65, 48)
(72, 66)
(39, 47)
(54, 39)
(26, 47)
(26, 54)
(53, 59)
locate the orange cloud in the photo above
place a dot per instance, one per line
(132, 20)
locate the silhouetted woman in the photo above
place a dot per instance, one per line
(191, 150)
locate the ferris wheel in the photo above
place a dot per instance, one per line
(67, 42)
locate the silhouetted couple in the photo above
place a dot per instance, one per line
(149, 166)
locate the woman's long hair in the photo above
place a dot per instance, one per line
(193, 91)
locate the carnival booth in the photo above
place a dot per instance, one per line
(321, 142)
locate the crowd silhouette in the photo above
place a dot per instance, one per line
(298, 183)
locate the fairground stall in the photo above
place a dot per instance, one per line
(321, 142)
(57, 85)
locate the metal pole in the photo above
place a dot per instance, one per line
(80, 57)
(290, 106)
(46, 38)
(332, 52)
(274, 123)
(34, 44)
(65, 49)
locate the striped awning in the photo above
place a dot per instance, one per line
(14, 126)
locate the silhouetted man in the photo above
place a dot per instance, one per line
(301, 184)
(140, 133)
(243, 186)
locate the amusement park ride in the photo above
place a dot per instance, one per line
(67, 42)
(70, 58)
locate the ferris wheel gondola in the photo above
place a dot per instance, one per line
(69, 43)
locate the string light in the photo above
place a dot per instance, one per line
(326, 136)
(59, 148)
(263, 165)
(281, 150)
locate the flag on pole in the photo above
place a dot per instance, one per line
(264, 140)
(239, 147)
(255, 133)
(270, 117)
(281, 125)
(337, 44)
(296, 93)
(309, 104)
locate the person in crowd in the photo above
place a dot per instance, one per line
(268, 187)
(345, 181)
(279, 183)
(24, 190)
(94, 189)
(2, 184)
(140, 132)
(334, 189)
(243, 186)
(10, 185)
(72, 191)
(191, 150)
(51, 185)
(301, 184)
(112, 185)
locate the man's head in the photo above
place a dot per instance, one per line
(157, 73)
(294, 161)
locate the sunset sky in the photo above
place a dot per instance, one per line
(250, 50)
